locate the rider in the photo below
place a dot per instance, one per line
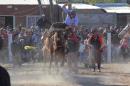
(72, 19)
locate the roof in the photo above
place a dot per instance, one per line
(115, 7)
(23, 2)
(82, 6)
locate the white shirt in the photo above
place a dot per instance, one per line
(82, 47)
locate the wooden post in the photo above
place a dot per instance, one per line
(109, 47)
(9, 47)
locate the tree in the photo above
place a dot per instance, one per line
(40, 7)
(100, 1)
(51, 10)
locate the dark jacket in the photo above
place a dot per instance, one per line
(4, 77)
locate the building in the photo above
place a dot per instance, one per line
(25, 12)
(102, 13)
(120, 10)
(87, 14)
(122, 1)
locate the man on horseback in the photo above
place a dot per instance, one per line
(71, 19)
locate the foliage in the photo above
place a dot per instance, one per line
(100, 1)
(89, 1)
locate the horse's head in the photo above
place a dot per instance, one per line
(44, 34)
(125, 31)
(58, 40)
(58, 36)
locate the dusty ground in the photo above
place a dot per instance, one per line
(38, 75)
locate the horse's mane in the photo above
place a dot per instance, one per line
(59, 25)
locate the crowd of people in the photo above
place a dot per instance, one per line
(28, 39)
(82, 44)
(21, 36)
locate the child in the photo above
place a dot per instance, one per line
(82, 51)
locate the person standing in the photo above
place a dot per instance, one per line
(82, 51)
(95, 42)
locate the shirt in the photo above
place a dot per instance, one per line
(82, 47)
(35, 38)
(74, 21)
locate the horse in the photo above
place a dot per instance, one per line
(54, 44)
(59, 47)
(47, 48)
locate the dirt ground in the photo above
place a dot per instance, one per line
(38, 75)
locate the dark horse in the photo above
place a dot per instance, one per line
(59, 47)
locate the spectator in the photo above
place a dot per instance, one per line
(82, 51)
(4, 77)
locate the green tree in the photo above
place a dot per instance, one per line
(100, 1)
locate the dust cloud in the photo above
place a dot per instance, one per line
(39, 76)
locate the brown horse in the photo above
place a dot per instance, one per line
(47, 47)
(59, 47)
(53, 48)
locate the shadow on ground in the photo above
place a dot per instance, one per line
(91, 81)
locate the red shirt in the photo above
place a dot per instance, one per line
(73, 37)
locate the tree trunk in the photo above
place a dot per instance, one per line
(51, 11)
(40, 8)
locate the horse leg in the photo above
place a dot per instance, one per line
(45, 55)
(51, 59)
(62, 61)
(57, 62)
(69, 61)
